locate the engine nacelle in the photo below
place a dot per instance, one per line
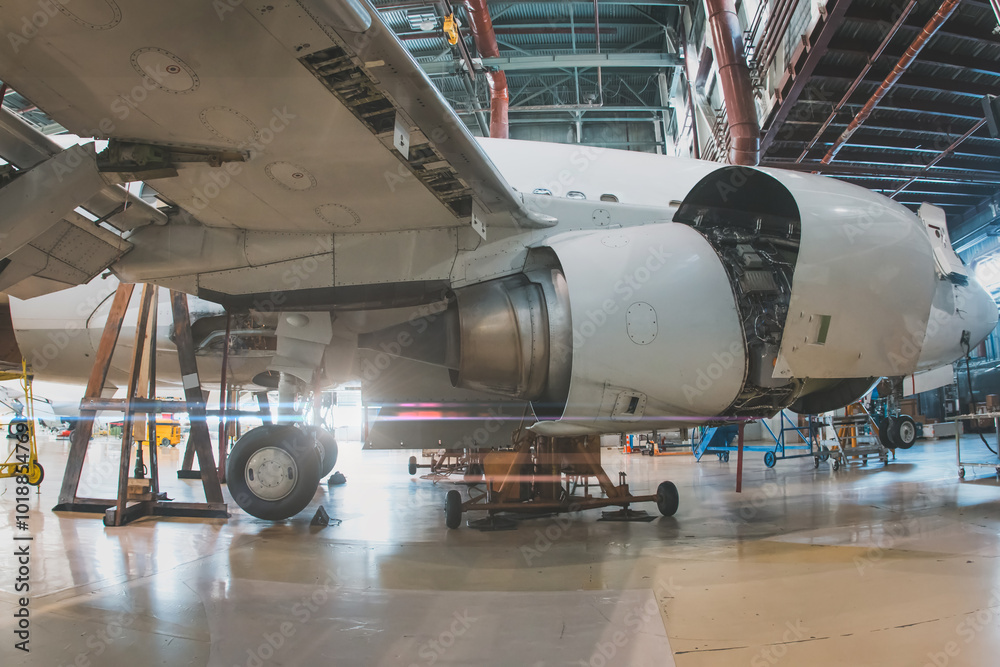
(767, 290)
(602, 327)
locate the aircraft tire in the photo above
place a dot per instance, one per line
(327, 445)
(904, 431)
(273, 471)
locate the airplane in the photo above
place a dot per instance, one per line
(310, 177)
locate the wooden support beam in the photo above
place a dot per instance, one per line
(95, 384)
(128, 421)
(199, 439)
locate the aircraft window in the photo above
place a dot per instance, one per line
(575, 194)
(611, 198)
(542, 191)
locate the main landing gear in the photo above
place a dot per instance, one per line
(273, 471)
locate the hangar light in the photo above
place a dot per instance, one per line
(988, 271)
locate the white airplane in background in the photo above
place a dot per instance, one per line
(314, 180)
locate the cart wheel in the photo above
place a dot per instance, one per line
(36, 474)
(667, 498)
(453, 509)
(961, 473)
(770, 459)
(816, 461)
(836, 464)
(412, 467)
(725, 457)
(718, 455)
(824, 454)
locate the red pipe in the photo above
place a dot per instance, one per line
(734, 75)
(942, 14)
(481, 27)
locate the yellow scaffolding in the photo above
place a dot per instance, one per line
(23, 458)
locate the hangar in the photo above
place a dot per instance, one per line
(679, 314)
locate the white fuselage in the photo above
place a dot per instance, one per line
(866, 266)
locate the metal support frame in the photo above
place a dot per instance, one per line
(541, 476)
(962, 465)
(123, 509)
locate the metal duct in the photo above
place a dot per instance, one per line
(734, 75)
(481, 26)
(942, 14)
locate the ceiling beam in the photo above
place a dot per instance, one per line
(393, 5)
(887, 170)
(801, 75)
(565, 61)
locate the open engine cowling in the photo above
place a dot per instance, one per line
(693, 319)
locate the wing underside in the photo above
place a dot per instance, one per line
(298, 122)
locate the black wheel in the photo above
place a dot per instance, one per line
(165, 442)
(836, 464)
(770, 459)
(824, 454)
(904, 431)
(453, 509)
(326, 445)
(725, 457)
(273, 471)
(667, 498)
(815, 462)
(885, 431)
(412, 466)
(36, 474)
(961, 473)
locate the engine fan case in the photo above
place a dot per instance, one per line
(656, 331)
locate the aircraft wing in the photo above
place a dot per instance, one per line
(263, 116)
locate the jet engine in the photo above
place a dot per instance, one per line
(695, 318)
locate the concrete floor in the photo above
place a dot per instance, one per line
(865, 566)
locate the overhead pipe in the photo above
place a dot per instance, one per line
(935, 23)
(481, 27)
(734, 75)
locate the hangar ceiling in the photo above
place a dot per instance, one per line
(924, 142)
(812, 66)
